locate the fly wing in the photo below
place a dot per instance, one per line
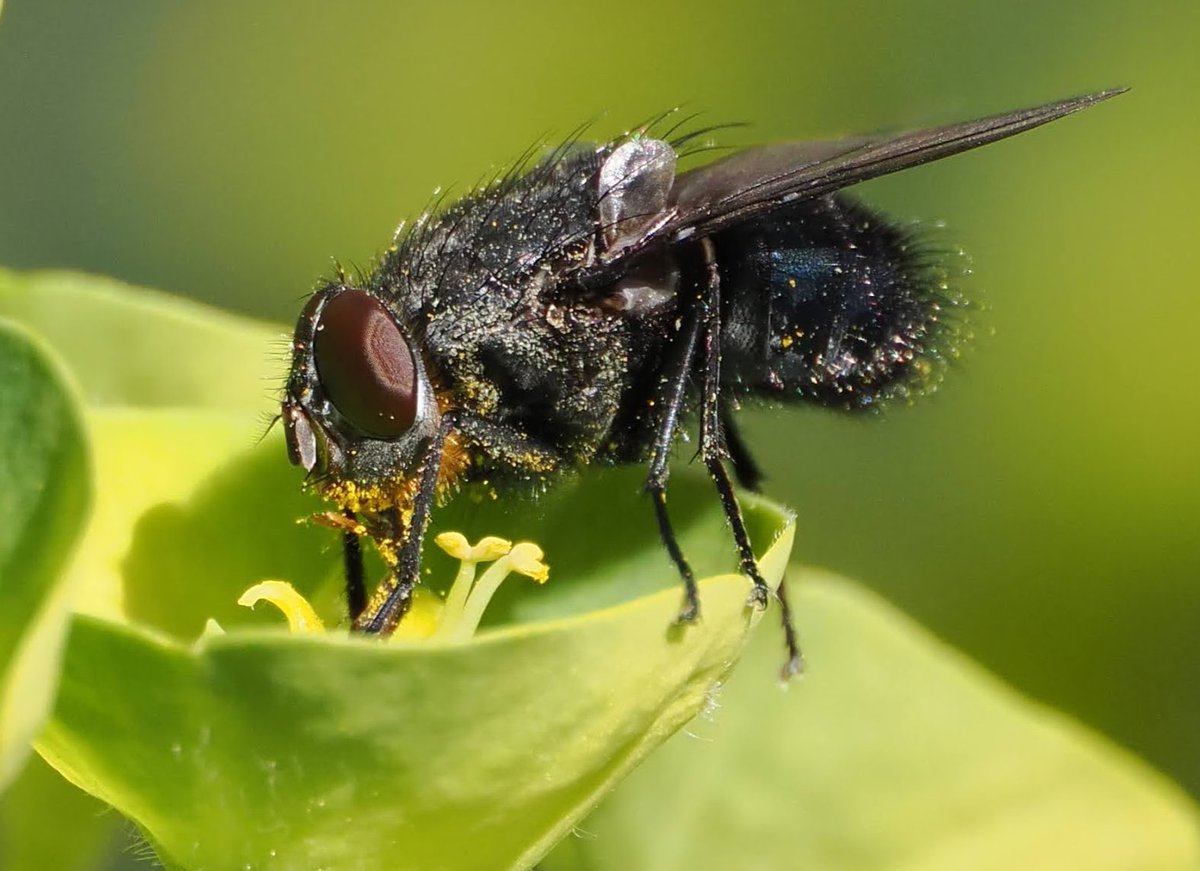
(749, 183)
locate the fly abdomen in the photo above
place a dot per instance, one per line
(829, 303)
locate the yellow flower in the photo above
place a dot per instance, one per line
(455, 619)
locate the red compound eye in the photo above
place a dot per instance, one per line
(365, 365)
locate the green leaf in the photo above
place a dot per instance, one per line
(38, 808)
(172, 352)
(187, 517)
(44, 488)
(263, 749)
(893, 752)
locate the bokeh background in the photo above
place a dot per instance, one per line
(1042, 512)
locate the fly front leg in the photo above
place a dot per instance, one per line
(508, 447)
(502, 445)
(383, 615)
(352, 560)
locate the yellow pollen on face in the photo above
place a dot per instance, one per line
(359, 498)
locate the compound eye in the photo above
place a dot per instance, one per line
(365, 365)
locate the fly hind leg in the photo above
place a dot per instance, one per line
(714, 453)
(745, 469)
(712, 447)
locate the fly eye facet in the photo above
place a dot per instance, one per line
(365, 365)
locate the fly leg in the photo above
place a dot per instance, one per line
(795, 658)
(507, 447)
(712, 448)
(383, 619)
(714, 452)
(749, 476)
(352, 560)
(519, 453)
(668, 405)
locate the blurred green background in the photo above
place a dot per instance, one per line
(1042, 512)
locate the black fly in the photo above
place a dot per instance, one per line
(576, 312)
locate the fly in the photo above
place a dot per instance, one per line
(581, 310)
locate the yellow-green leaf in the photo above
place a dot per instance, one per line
(263, 749)
(894, 753)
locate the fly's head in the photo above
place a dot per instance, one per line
(358, 404)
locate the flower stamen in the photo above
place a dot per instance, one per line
(455, 619)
